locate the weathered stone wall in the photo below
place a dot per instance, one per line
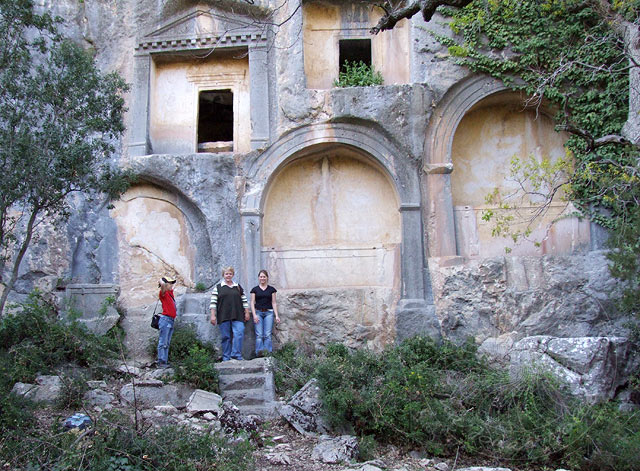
(423, 150)
(561, 296)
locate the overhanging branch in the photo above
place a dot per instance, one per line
(408, 8)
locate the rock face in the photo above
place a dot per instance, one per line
(562, 296)
(362, 201)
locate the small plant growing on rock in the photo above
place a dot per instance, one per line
(358, 74)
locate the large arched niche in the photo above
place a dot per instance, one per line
(490, 134)
(331, 218)
(370, 313)
(331, 238)
(479, 115)
(153, 240)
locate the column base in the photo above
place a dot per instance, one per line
(415, 317)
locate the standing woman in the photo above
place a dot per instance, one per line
(229, 311)
(263, 307)
(165, 325)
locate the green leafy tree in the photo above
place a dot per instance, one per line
(60, 118)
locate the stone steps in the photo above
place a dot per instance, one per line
(249, 386)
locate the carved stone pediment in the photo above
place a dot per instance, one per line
(202, 29)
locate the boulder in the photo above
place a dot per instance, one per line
(340, 449)
(98, 397)
(204, 401)
(151, 395)
(303, 410)
(47, 389)
(593, 367)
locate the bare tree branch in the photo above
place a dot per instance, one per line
(408, 8)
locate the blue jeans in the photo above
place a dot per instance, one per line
(263, 330)
(165, 326)
(231, 335)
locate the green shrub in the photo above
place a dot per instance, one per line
(184, 337)
(357, 74)
(294, 366)
(34, 341)
(198, 369)
(193, 359)
(16, 413)
(200, 287)
(115, 445)
(73, 390)
(445, 400)
(367, 448)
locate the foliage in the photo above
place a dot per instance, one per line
(357, 74)
(294, 365)
(538, 184)
(570, 55)
(446, 400)
(198, 369)
(33, 341)
(59, 120)
(192, 358)
(115, 445)
(200, 287)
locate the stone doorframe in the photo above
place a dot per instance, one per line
(438, 214)
(170, 37)
(415, 296)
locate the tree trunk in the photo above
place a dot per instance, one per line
(16, 265)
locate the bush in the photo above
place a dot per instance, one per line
(358, 74)
(198, 369)
(115, 445)
(294, 366)
(193, 359)
(444, 399)
(33, 341)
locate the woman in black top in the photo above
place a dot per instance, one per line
(264, 306)
(229, 311)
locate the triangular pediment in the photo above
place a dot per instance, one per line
(201, 22)
(202, 28)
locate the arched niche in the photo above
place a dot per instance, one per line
(331, 236)
(154, 239)
(331, 218)
(492, 133)
(480, 115)
(362, 315)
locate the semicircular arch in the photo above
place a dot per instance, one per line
(368, 142)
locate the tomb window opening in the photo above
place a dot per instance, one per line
(215, 121)
(354, 51)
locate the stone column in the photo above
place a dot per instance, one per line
(414, 316)
(251, 228)
(259, 96)
(251, 236)
(439, 214)
(139, 118)
(412, 254)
